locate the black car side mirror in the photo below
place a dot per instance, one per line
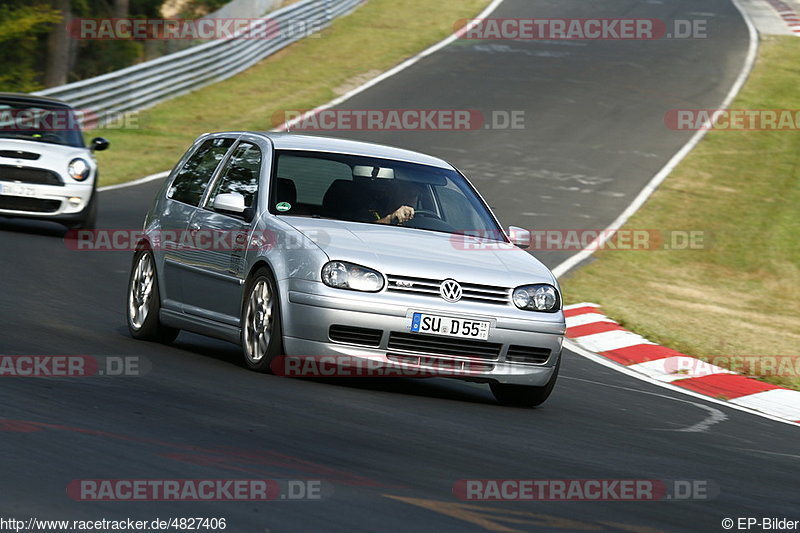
(98, 144)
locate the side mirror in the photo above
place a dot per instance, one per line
(98, 144)
(231, 202)
(519, 237)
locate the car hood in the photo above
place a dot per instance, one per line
(425, 254)
(54, 157)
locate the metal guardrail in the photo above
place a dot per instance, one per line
(237, 9)
(146, 84)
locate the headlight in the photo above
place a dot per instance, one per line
(342, 275)
(78, 169)
(537, 298)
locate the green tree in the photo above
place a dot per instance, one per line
(23, 26)
(37, 50)
(99, 57)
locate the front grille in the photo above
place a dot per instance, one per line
(19, 154)
(527, 354)
(353, 335)
(34, 205)
(443, 366)
(430, 287)
(452, 346)
(39, 176)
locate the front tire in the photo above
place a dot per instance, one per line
(144, 302)
(261, 322)
(524, 395)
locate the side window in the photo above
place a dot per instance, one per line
(312, 176)
(240, 174)
(192, 179)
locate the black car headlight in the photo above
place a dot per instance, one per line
(344, 275)
(78, 169)
(537, 298)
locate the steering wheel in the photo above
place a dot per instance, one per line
(425, 213)
(421, 214)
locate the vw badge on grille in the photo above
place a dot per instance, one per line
(450, 290)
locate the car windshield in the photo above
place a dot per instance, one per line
(378, 191)
(39, 122)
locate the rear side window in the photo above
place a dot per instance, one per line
(192, 179)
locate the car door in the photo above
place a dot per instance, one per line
(184, 195)
(213, 289)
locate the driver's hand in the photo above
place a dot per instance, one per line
(403, 214)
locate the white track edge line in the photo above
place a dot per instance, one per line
(146, 179)
(599, 359)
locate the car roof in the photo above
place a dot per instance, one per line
(318, 143)
(24, 98)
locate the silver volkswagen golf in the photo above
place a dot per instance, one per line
(299, 246)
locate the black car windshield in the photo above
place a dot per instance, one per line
(378, 191)
(39, 122)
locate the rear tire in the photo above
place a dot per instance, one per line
(524, 395)
(262, 334)
(144, 302)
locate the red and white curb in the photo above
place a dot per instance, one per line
(588, 327)
(788, 14)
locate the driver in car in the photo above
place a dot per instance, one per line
(402, 201)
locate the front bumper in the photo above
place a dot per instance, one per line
(311, 309)
(57, 202)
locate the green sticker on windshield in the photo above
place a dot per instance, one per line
(283, 206)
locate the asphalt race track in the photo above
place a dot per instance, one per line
(390, 452)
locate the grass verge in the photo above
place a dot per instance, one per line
(374, 38)
(739, 294)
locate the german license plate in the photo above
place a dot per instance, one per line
(17, 189)
(450, 326)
